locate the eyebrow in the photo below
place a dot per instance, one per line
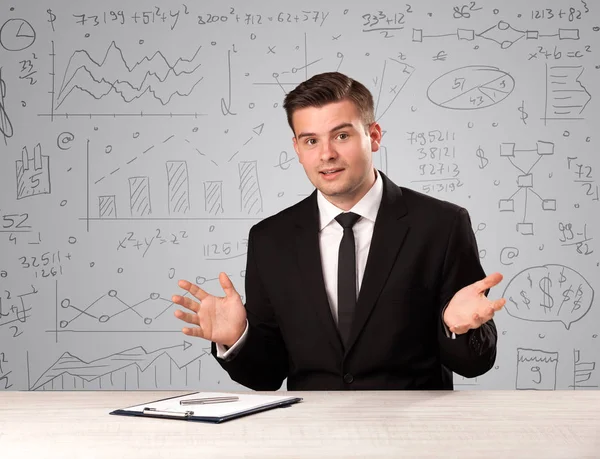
(336, 128)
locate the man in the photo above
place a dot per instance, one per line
(402, 311)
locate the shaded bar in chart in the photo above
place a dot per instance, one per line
(107, 206)
(250, 197)
(213, 197)
(139, 196)
(179, 190)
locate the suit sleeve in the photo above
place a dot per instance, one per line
(473, 353)
(262, 361)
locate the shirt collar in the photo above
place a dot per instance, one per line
(367, 207)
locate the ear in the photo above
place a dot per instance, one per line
(375, 136)
(296, 148)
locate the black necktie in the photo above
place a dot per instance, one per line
(346, 274)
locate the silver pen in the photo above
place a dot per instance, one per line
(206, 400)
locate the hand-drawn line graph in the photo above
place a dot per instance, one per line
(257, 131)
(582, 372)
(525, 182)
(502, 33)
(6, 128)
(536, 369)
(16, 35)
(131, 369)
(33, 174)
(549, 293)
(150, 77)
(471, 88)
(107, 307)
(566, 97)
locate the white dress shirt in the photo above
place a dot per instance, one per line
(330, 236)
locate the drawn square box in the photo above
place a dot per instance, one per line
(417, 35)
(536, 369)
(549, 204)
(466, 34)
(533, 35)
(506, 205)
(568, 34)
(525, 181)
(545, 148)
(507, 149)
(526, 229)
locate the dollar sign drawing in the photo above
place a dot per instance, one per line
(52, 18)
(524, 114)
(481, 155)
(562, 277)
(547, 300)
(566, 294)
(577, 302)
(525, 299)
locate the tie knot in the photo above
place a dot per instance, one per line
(347, 219)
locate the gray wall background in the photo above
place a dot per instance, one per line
(139, 144)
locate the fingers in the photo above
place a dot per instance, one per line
(227, 285)
(191, 319)
(193, 289)
(186, 302)
(488, 282)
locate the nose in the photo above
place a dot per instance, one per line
(328, 151)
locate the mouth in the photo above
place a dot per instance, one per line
(330, 172)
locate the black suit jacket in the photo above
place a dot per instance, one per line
(422, 252)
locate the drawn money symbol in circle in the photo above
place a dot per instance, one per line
(547, 300)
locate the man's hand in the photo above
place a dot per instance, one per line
(218, 319)
(469, 307)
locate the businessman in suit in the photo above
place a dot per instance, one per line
(363, 284)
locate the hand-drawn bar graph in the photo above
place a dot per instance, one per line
(179, 190)
(139, 196)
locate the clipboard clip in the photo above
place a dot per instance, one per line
(155, 412)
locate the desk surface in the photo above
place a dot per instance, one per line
(465, 424)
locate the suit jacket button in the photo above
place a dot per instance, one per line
(348, 378)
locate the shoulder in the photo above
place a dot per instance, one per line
(423, 206)
(288, 218)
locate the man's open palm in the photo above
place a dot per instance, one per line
(469, 308)
(218, 319)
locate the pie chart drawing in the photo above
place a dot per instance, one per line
(16, 35)
(471, 88)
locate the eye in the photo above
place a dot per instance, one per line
(310, 141)
(343, 136)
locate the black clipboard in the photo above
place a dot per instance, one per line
(190, 413)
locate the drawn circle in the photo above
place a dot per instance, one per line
(506, 44)
(496, 11)
(519, 15)
(367, 54)
(251, 105)
(63, 323)
(275, 105)
(108, 149)
(507, 254)
(66, 303)
(72, 239)
(16, 35)
(243, 273)
(3, 274)
(294, 69)
(496, 182)
(340, 54)
(588, 139)
(63, 203)
(154, 296)
(195, 129)
(566, 134)
(596, 29)
(297, 47)
(470, 125)
(346, 11)
(494, 124)
(64, 139)
(92, 264)
(211, 228)
(23, 104)
(476, 47)
(541, 336)
(141, 42)
(120, 270)
(147, 320)
(471, 88)
(252, 36)
(280, 194)
(275, 75)
(112, 293)
(594, 336)
(576, 206)
(95, 128)
(541, 247)
(87, 35)
(482, 253)
(136, 135)
(213, 43)
(200, 280)
(103, 318)
(413, 108)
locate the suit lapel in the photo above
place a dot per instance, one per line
(311, 270)
(388, 235)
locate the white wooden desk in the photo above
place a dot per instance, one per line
(460, 424)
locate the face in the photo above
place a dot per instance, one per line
(335, 149)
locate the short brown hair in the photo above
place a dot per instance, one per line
(326, 88)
